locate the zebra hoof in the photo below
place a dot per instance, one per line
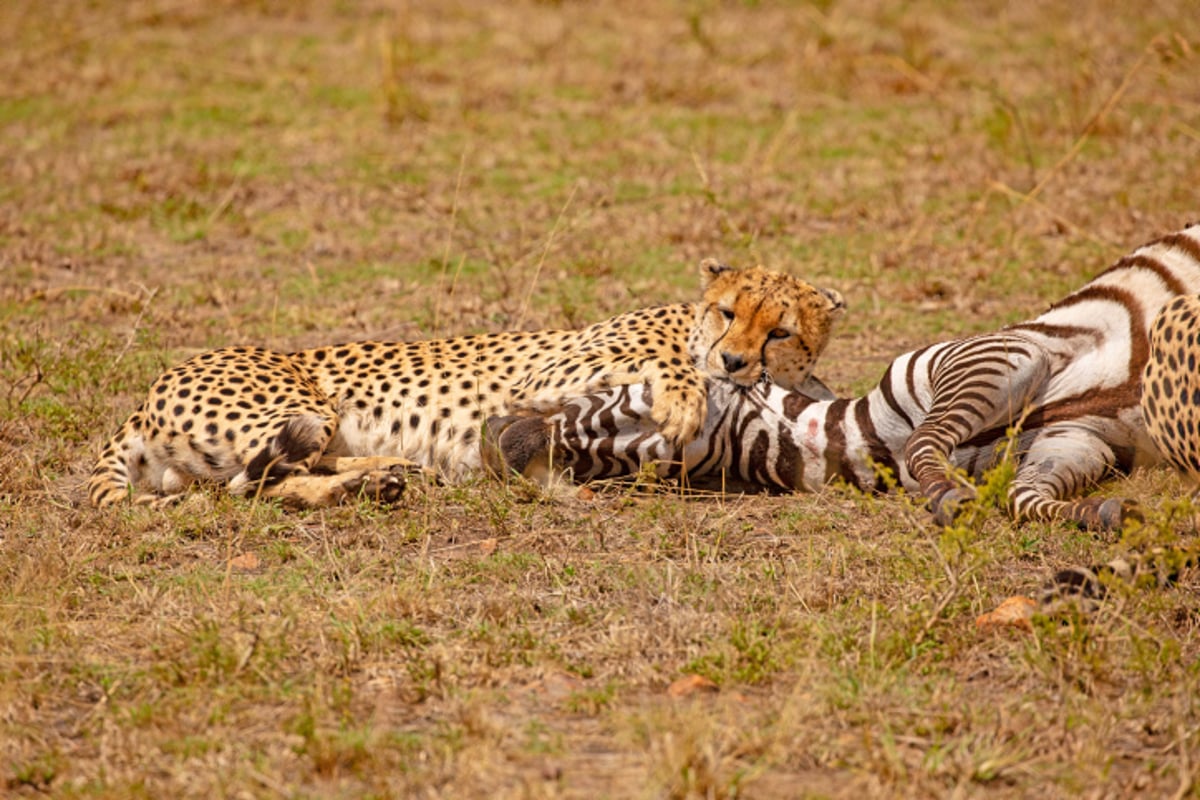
(948, 507)
(1115, 512)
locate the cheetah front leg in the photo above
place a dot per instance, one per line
(678, 396)
(677, 388)
(679, 399)
(377, 482)
(679, 403)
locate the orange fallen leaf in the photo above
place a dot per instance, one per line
(1015, 612)
(245, 562)
(585, 494)
(487, 546)
(690, 684)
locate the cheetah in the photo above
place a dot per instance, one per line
(316, 426)
(1171, 385)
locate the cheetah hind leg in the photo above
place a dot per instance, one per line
(329, 465)
(335, 480)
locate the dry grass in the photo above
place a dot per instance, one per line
(179, 175)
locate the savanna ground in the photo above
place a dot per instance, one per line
(178, 175)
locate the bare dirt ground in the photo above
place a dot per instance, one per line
(177, 175)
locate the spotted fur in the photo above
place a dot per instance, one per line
(1069, 380)
(1171, 385)
(364, 412)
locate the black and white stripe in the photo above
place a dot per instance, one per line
(1068, 380)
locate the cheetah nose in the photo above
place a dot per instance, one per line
(732, 362)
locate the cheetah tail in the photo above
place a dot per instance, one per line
(116, 473)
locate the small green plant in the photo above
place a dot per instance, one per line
(747, 657)
(36, 774)
(592, 701)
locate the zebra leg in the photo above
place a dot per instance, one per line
(983, 384)
(1063, 461)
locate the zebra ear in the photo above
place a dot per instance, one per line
(815, 389)
(710, 268)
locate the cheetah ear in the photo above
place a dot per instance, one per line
(837, 303)
(710, 268)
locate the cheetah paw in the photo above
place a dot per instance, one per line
(383, 486)
(679, 420)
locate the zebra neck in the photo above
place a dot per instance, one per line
(797, 443)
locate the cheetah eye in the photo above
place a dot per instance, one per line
(727, 314)
(779, 333)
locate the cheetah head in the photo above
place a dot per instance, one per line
(756, 324)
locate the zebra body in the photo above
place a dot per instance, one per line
(1069, 380)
